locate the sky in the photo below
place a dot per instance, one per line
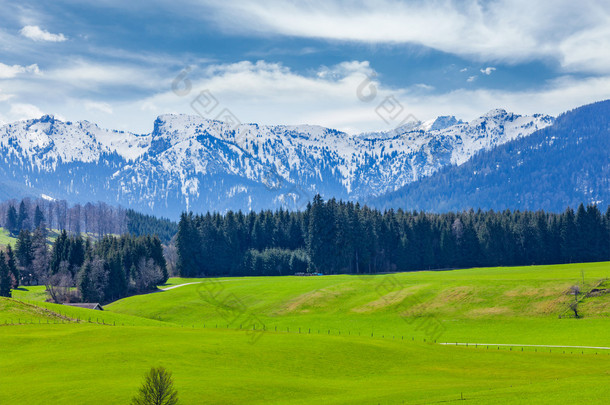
(356, 66)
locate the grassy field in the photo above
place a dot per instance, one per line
(368, 340)
(502, 305)
(6, 238)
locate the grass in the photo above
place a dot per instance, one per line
(53, 234)
(334, 359)
(220, 366)
(503, 305)
(6, 238)
(31, 293)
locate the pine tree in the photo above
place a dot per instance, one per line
(12, 266)
(11, 220)
(40, 256)
(22, 217)
(38, 218)
(23, 249)
(5, 279)
(569, 237)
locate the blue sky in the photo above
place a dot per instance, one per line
(284, 62)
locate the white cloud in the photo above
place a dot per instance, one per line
(464, 70)
(98, 106)
(488, 70)
(424, 86)
(22, 111)
(35, 33)
(577, 34)
(86, 75)
(471, 79)
(9, 72)
(4, 96)
(271, 93)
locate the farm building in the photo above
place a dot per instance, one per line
(89, 305)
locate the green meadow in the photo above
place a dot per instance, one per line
(328, 339)
(7, 239)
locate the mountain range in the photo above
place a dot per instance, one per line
(565, 164)
(191, 163)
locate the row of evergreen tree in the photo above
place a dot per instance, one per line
(343, 237)
(101, 271)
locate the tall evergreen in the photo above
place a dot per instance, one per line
(23, 249)
(11, 220)
(38, 218)
(12, 266)
(5, 279)
(22, 217)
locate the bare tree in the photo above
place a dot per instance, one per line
(59, 287)
(148, 275)
(61, 208)
(157, 389)
(171, 258)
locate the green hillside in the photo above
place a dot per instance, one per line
(6, 238)
(362, 340)
(463, 304)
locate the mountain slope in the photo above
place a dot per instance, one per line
(564, 164)
(188, 162)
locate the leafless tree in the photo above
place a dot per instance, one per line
(157, 389)
(171, 258)
(59, 287)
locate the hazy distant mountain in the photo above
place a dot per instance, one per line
(564, 164)
(188, 162)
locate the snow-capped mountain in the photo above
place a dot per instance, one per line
(188, 162)
(561, 166)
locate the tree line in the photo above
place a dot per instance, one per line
(76, 269)
(344, 237)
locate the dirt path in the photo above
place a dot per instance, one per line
(180, 285)
(514, 345)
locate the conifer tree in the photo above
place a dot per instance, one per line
(5, 280)
(11, 220)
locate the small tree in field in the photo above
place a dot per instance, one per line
(157, 389)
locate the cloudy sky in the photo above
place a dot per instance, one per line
(355, 66)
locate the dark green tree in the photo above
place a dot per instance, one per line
(12, 266)
(23, 249)
(39, 221)
(5, 279)
(22, 217)
(11, 220)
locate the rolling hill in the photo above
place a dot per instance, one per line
(330, 339)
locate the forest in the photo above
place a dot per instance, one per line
(94, 219)
(74, 269)
(333, 237)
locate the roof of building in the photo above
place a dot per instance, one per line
(88, 305)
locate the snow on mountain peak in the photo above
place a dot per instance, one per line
(495, 113)
(191, 160)
(443, 122)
